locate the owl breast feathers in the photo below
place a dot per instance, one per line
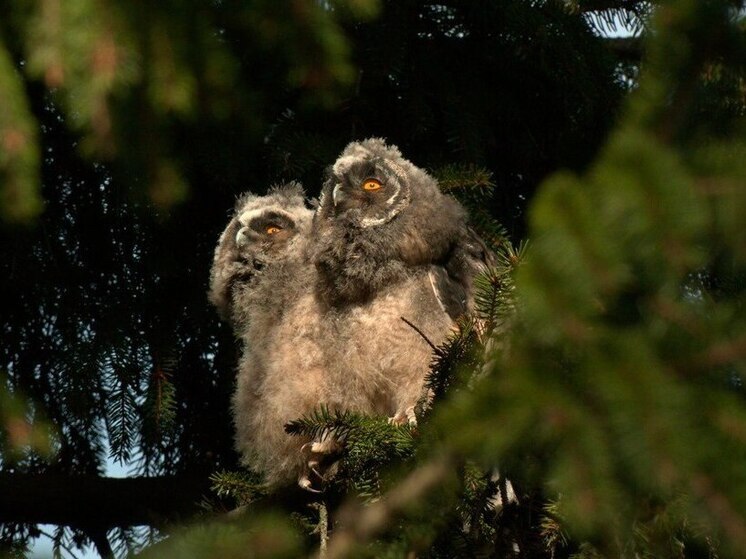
(325, 305)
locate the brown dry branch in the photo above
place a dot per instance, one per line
(359, 525)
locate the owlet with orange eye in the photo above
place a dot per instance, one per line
(263, 231)
(260, 281)
(378, 215)
(387, 245)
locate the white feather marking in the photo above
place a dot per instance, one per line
(435, 291)
(371, 221)
(249, 215)
(246, 217)
(390, 201)
(336, 193)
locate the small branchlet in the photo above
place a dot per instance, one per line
(370, 444)
(243, 486)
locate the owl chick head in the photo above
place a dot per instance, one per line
(263, 230)
(378, 216)
(264, 226)
(368, 185)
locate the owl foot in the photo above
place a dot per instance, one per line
(305, 483)
(406, 417)
(319, 463)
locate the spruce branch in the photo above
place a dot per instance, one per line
(629, 49)
(322, 528)
(244, 486)
(607, 15)
(552, 532)
(370, 444)
(492, 232)
(101, 543)
(57, 543)
(369, 450)
(461, 357)
(97, 501)
(478, 490)
(322, 423)
(457, 354)
(359, 526)
(465, 181)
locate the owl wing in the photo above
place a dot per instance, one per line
(453, 281)
(229, 267)
(478, 254)
(450, 293)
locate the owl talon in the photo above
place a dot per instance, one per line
(406, 417)
(306, 484)
(309, 467)
(320, 461)
(312, 464)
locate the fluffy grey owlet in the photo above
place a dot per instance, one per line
(264, 230)
(387, 246)
(257, 277)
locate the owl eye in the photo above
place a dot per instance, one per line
(272, 229)
(371, 185)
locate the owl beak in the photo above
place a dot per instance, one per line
(337, 194)
(241, 237)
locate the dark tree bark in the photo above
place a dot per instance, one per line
(600, 5)
(629, 49)
(98, 503)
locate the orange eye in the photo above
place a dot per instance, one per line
(272, 229)
(371, 185)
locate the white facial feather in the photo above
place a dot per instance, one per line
(247, 216)
(337, 194)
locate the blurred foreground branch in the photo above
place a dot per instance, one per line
(360, 526)
(98, 502)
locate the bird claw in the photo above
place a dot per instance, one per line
(406, 417)
(314, 453)
(306, 484)
(312, 464)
